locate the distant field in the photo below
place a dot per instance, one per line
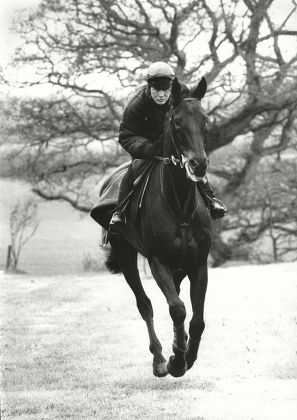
(75, 347)
(62, 239)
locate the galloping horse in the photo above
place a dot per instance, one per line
(172, 231)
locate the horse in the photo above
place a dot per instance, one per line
(172, 231)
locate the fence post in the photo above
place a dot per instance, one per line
(8, 257)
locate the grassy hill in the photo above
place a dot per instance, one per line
(62, 239)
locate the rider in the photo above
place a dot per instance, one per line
(141, 131)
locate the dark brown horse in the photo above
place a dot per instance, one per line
(172, 231)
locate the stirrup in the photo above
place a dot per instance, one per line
(118, 219)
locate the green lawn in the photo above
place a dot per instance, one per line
(75, 347)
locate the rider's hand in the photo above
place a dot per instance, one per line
(157, 147)
(150, 150)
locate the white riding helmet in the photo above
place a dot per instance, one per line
(160, 69)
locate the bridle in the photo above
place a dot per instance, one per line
(184, 215)
(181, 160)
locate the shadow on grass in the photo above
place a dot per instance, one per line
(165, 384)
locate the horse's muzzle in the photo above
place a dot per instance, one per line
(198, 166)
(195, 168)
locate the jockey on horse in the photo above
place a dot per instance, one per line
(141, 131)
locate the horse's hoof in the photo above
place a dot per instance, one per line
(176, 372)
(160, 369)
(190, 365)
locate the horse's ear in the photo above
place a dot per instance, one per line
(176, 92)
(200, 90)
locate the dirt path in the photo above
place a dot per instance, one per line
(75, 347)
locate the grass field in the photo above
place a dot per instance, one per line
(74, 347)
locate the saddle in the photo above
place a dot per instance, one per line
(108, 195)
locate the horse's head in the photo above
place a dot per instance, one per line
(187, 129)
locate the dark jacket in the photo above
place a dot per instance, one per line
(142, 125)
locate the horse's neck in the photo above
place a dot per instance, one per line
(176, 187)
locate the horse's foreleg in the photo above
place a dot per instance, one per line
(128, 261)
(198, 288)
(159, 361)
(177, 364)
(178, 276)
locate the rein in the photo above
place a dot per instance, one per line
(172, 159)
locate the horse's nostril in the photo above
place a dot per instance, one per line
(193, 163)
(196, 164)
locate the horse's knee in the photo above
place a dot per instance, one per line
(178, 313)
(196, 329)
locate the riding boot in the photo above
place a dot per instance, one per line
(216, 207)
(118, 218)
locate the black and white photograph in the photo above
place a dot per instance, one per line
(148, 209)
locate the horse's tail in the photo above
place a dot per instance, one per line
(112, 261)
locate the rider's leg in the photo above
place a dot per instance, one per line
(216, 207)
(125, 189)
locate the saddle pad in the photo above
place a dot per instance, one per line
(108, 196)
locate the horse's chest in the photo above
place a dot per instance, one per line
(184, 241)
(180, 247)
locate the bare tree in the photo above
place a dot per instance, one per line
(268, 216)
(23, 224)
(92, 53)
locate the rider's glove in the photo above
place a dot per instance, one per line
(157, 148)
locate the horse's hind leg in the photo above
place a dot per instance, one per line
(198, 281)
(127, 258)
